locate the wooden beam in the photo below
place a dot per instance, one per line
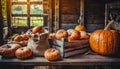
(50, 25)
(8, 3)
(82, 12)
(57, 15)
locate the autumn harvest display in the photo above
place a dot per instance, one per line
(104, 42)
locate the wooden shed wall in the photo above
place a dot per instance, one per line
(94, 14)
(70, 11)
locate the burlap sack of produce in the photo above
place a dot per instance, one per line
(38, 42)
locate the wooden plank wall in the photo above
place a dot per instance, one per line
(70, 11)
(94, 14)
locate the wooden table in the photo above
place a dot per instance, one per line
(76, 60)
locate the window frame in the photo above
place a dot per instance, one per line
(28, 15)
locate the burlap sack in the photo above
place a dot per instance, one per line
(38, 43)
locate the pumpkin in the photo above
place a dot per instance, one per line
(52, 54)
(52, 35)
(104, 42)
(8, 50)
(24, 37)
(37, 29)
(61, 34)
(23, 53)
(74, 36)
(18, 38)
(13, 36)
(84, 35)
(80, 28)
(70, 31)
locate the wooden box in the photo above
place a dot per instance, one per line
(68, 49)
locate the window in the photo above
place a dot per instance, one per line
(29, 12)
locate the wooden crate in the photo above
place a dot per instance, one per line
(68, 49)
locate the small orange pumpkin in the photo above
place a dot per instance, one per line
(52, 54)
(18, 38)
(84, 35)
(37, 29)
(70, 31)
(74, 36)
(8, 50)
(61, 34)
(52, 35)
(23, 53)
(24, 37)
(80, 28)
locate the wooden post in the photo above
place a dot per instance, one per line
(82, 11)
(8, 3)
(50, 25)
(1, 25)
(57, 15)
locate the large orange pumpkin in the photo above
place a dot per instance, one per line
(80, 28)
(104, 42)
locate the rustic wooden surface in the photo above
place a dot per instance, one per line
(76, 60)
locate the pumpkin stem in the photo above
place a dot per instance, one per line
(109, 25)
(8, 46)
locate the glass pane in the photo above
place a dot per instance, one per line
(35, 0)
(19, 0)
(36, 21)
(36, 9)
(19, 21)
(19, 9)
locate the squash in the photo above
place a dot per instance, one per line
(52, 54)
(84, 35)
(104, 42)
(24, 37)
(8, 50)
(74, 36)
(70, 31)
(37, 29)
(80, 28)
(23, 53)
(61, 33)
(18, 38)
